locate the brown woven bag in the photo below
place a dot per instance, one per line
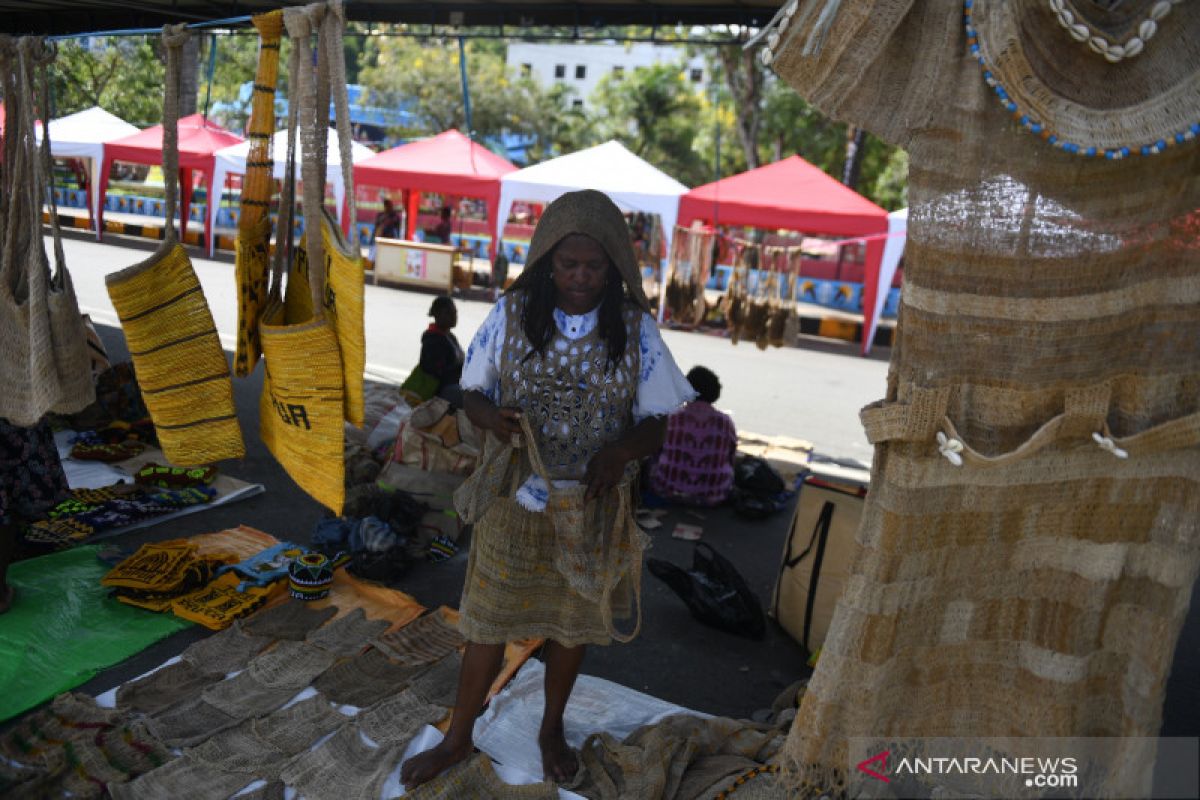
(44, 362)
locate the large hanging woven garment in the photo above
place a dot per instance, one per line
(1032, 536)
(687, 273)
(44, 362)
(301, 406)
(172, 338)
(252, 263)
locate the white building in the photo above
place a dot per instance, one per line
(582, 65)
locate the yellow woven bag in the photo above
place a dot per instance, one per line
(343, 298)
(302, 400)
(172, 338)
(254, 224)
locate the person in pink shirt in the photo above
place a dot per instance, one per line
(695, 465)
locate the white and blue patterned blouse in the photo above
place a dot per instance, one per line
(661, 387)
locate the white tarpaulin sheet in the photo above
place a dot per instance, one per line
(507, 731)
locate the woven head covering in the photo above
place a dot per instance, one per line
(591, 213)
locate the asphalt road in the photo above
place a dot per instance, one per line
(812, 391)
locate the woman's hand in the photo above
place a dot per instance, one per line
(605, 470)
(483, 413)
(505, 421)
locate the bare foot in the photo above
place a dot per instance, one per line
(559, 763)
(6, 598)
(433, 762)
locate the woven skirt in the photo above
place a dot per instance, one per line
(512, 590)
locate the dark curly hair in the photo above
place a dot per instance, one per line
(537, 317)
(706, 384)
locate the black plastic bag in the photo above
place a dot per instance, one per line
(714, 591)
(753, 474)
(758, 490)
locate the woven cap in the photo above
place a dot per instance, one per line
(1049, 69)
(591, 213)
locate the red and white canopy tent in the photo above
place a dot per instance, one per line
(449, 164)
(793, 194)
(199, 140)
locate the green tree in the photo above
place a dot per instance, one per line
(424, 76)
(123, 75)
(655, 113)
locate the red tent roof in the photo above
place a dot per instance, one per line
(448, 163)
(791, 194)
(198, 140)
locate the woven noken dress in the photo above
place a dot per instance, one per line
(1016, 576)
(574, 405)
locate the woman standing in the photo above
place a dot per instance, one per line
(570, 351)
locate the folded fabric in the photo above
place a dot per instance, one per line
(196, 575)
(221, 602)
(441, 548)
(475, 777)
(168, 477)
(57, 533)
(74, 748)
(370, 534)
(266, 566)
(364, 679)
(289, 620)
(156, 566)
(108, 453)
(421, 642)
(347, 635)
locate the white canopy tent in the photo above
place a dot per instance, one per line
(232, 159)
(893, 249)
(628, 181)
(82, 135)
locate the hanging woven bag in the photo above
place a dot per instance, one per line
(342, 272)
(181, 367)
(44, 361)
(599, 545)
(253, 260)
(302, 400)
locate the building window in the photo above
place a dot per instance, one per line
(618, 72)
(580, 72)
(560, 71)
(697, 75)
(577, 104)
(526, 70)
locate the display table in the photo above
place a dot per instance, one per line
(406, 263)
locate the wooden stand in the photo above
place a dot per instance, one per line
(405, 263)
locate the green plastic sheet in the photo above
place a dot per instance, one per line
(63, 628)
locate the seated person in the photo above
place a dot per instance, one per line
(441, 355)
(387, 222)
(695, 465)
(441, 232)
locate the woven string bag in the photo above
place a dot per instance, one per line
(758, 305)
(736, 296)
(172, 338)
(599, 544)
(689, 267)
(44, 362)
(300, 409)
(1029, 547)
(342, 274)
(781, 304)
(253, 259)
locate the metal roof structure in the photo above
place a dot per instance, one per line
(439, 17)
